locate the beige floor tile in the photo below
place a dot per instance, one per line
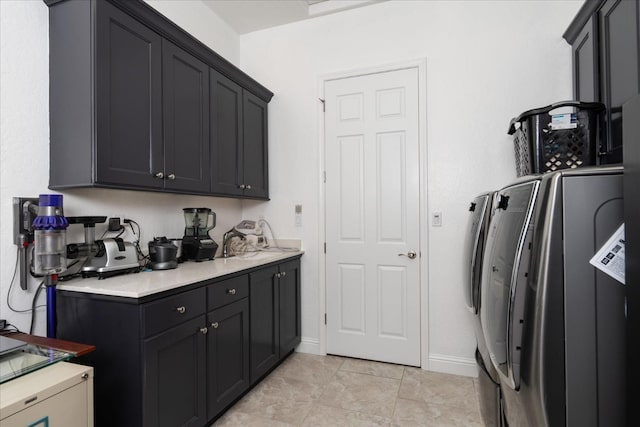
(361, 393)
(234, 418)
(378, 369)
(415, 413)
(281, 399)
(309, 367)
(327, 416)
(437, 388)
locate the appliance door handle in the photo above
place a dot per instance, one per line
(410, 254)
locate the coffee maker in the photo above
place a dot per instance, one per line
(196, 243)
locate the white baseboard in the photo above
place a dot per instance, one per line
(309, 345)
(452, 365)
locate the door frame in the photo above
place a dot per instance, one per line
(421, 65)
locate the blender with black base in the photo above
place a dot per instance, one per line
(196, 243)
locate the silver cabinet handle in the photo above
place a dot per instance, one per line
(204, 330)
(242, 186)
(84, 376)
(231, 291)
(171, 176)
(181, 309)
(159, 175)
(284, 273)
(278, 275)
(410, 254)
(248, 187)
(215, 325)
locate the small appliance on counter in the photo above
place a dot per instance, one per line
(196, 243)
(105, 258)
(162, 254)
(178, 244)
(114, 256)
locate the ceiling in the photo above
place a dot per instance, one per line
(245, 16)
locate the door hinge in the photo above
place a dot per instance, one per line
(325, 247)
(324, 176)
(325, 318)
(323, 105)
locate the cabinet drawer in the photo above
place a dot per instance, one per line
(227, 291)
(171, 311)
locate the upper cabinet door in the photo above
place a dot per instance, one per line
(619, 45)
(585, 64)
(255, 171)
(128, 100)
(186, 120)
(226, 135)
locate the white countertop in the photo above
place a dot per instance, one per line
(138, 285)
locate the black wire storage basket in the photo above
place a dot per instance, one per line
(545, 142)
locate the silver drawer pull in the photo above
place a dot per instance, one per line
(181, 309)
(159, 175)
(242, 186)
(171, 176)
(278, 275)
(204, 330)
(215, 325)
(284, 273)
(248, 187)
(231, 291)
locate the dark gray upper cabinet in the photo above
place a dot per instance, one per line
(186, 121)
(585, 64)
(620, 56)
(605, 39)
(226, 135)
(255, 174)
(239, 163)
(130, 102)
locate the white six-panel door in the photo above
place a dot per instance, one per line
(372, 217)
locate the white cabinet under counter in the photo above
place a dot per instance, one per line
(60, 395)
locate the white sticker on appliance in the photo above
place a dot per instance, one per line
(610, 257)
(564, 121)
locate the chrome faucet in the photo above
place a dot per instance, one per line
(226, 238)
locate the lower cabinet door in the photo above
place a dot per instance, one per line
(174, 377)
(265, 329)
(289, 294)
(228, 355)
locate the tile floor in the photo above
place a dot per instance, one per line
(310, 390)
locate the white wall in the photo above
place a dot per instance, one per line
(24, 142)
(203, 24)
(486, 63)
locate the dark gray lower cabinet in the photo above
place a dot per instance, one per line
(275, 315)
(228, 355)
(265, 331)
(174, 379)
(183, 358)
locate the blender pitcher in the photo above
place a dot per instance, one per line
(196, 243)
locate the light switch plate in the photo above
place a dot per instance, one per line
(436, 219)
